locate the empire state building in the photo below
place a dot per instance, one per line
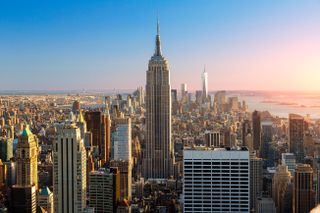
(158, 157)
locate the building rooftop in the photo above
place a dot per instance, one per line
(45, 191)
(26, 132)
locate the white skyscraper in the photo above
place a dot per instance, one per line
(184, 90)
(69, 179)
(122, 139)
(216, 180)
(204, 85)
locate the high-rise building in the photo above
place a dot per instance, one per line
(23, 194)
(159, 156)
(174, 95)
(267, 150)
(104, 190)
(204, 79)
(289, 159)
(98, 123)
(281, 188)
(233, 104)
(24, 199)
(296, 133)
(125, 169)
(122, 139)
(256, 177)
(303, 194)
(246, 129)
(69, 167)
(317, 177)
(216, 180)
(256, 127)
(2, 175)
(266, 205)
(220, 101)
(45, 199)
(184, 91)
(199, 96)
(212, 139)
(6, 146)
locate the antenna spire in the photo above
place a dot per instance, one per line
(158, 43)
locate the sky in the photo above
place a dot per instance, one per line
(244, 45)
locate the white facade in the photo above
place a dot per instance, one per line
(122, 140)
(216, 180)
(204, 84)
(69, 167)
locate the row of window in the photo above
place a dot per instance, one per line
(215, 163)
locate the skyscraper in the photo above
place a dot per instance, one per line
(256, 176)
(212, 139)
(104, 190)
(184, 92)
(69, 167)
(204, 85)
(98, 123)
(24, 191)
(267, 150)
(122, 139)
(158, 157)
(281, 187)
(45, 199)
(296, 133)
(125, 169)
(216, 180)
(6, 146)
(122, 155)
(289, 159)
(256, 127)
(246, 129)
(303, 195)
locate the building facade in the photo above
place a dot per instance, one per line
(296, 134)
(69, 168)
(104, 190)
(256, 130)
(281, 188)
(303, 194)
(122, 139)
(256, 179)
(212, 138)
(23, 194)
(216, 180)
(45, 199)
(99, 123)
(158, 155)
(204, 79)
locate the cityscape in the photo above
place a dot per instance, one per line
(162, 146)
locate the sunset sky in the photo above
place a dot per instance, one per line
(247, 45)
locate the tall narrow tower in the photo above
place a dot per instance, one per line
(158, 157)
(204, 85)
(69, 169)
(23, 193)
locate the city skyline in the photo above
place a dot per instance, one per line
(245, 45)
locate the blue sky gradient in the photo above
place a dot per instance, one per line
(270, 45)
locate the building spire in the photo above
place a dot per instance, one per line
(158, 26)
(158, 43)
